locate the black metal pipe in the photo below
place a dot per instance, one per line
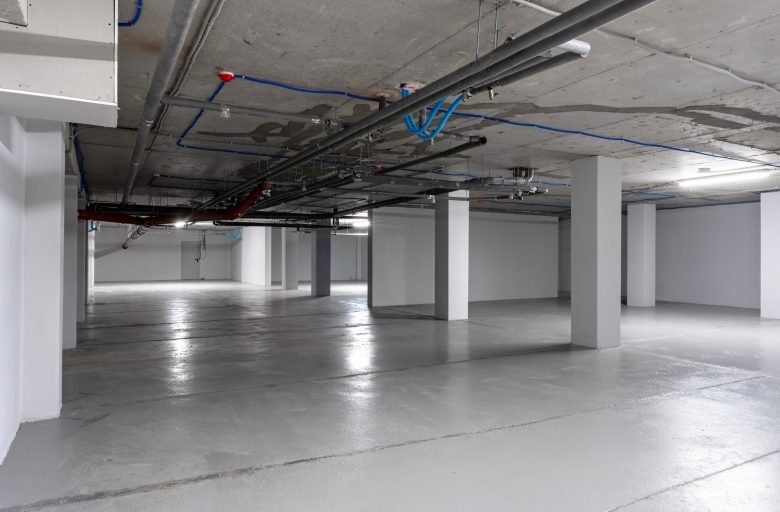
(452, 151)
(525, 72)
(297, 194)
(525, 65)
(567, 26)
(273, 224)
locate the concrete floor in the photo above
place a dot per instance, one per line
(222, 396)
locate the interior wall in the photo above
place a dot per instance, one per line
(346, 261)
(511, 256)
(156, 256)
(704, 255)
(709, 255)
(12, 150)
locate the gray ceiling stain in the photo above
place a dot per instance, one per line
(700, 114)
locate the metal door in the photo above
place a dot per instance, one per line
(190, 260)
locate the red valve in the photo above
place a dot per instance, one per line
(226, 76)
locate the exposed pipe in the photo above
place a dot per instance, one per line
(555, 32)
(178, 101)
(478, 141)
(139, 7)
(214, 8)
(305, 190)
(662, 51)
(525, 72)
(301, 225)
(147, 222)
(178, 26)
(135, 235)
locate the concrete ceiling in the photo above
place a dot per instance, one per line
(369, 47)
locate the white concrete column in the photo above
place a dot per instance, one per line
(452, 256)
(370, 261)
(290, 238)
(640, 261)
(595, 252)
(81, 271)
(91, 266)
(269, 256)
(253, 254)
(42, 301)
(320, 263)
(770, 255)
(70, 309)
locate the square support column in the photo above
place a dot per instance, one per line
(369, 261)
(41, 358)
(90, 266)
(595, 252)
(290, 240)
(81, 267)
(770, 255)
(70, 306)
(641, 255)
(452, 256)
(269, 255)
(320, 263)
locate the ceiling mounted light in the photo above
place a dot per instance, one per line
(180, 224)
(722, 179)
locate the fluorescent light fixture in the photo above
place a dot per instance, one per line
(722, 179)
(180, 224)
(360, 224)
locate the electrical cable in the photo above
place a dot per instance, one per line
(139, 7)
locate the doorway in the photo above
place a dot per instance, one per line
(190, 260)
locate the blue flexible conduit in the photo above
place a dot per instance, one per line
(420, 132)
(139, 7)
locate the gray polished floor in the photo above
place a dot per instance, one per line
(222, 396)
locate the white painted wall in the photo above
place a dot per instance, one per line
(770, 255)
(709, 255)
(345, 261)
(511, 256)
(705, 255)
(12, 149)
(156, 256)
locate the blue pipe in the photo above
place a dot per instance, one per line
(139, 7)
(410, 122)
(443, 121)
(420, 132)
